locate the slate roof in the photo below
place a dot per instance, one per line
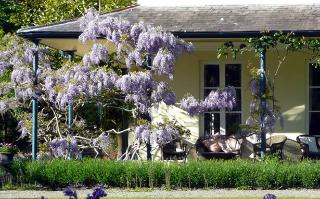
(217, 21)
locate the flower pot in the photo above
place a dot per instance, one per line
(6, 158)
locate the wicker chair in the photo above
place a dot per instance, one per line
(310, 147)
(203, 151)
(174, 150)
(274, 144)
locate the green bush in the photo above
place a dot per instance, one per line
(2, 171)
(269, 174)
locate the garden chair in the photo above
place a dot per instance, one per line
(274, 144)
(175, 150)
(309, 145)
(210, 147)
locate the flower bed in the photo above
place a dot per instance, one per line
(270, 174)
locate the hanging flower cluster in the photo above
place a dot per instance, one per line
(136, 42)
(77, 81)
(162, 134)
(270, 115)
(219, 99)
(64, 148)
(3, 108)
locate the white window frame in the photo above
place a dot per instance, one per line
(222, 69)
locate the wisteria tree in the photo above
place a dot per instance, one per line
(145, 52)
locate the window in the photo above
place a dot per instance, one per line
(314, 99)
(223, 121)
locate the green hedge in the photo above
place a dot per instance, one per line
(269, 174)
(2, 171)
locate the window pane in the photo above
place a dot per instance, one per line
(211, 123)
(233, 120)
(211, 75)
(314, 75)
(315, 99)
(233, 75)
(314, 125)
(207, 92)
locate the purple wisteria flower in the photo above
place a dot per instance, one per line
(97, 194)
(164, 135)
(269, 196)
(69, 192)
(142, 133)
(3, 107)
(162, 93)
(3, 66)
(98, 54)
(255, 88)
(191, 105)
(61, 147)
(139, 40)
(163, 63)
(78, 81)
(219, 99)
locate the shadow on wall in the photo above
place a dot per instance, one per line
(175, 113)
(293, 122)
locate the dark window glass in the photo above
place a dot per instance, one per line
(314, 75)
(211, 123)
(233, 120)
(315, 99)
(233, 75)
(207, 92)
(211, 75)
(314, 125)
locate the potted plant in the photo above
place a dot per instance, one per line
(7, 151)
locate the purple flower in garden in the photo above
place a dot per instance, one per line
(164, 135)
(91, 15)
(162, 93)
(3, 66)
(135, 83)
(28, 54)
(221, 98)
(136, 29)
(98, 54)
(98, 193)
(269, 196)
(142, 133)
(163, 63)
(3, 107)
(69, 192)
(254, 86)
(191, 105)
(62, 147)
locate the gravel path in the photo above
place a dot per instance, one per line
(308, 193)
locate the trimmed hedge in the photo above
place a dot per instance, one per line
(269, 174)
(2, 171)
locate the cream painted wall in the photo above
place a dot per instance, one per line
(290, 86)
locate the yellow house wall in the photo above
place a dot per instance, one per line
(290, 86)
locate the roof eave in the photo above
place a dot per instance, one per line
(236, 34)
